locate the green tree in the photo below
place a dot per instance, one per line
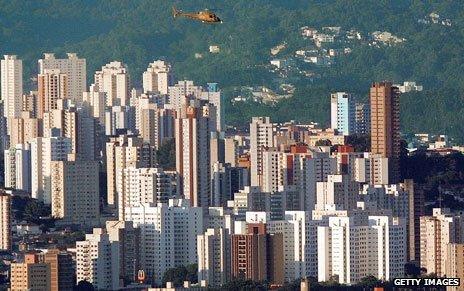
(83, 286)
(180, 274)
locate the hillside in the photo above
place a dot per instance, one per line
(140, 31)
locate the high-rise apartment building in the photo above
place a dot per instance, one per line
(24, 128)
(123, 152)
(192, 127)
(455, 264)
(343, 113)
(261, 138)
(76, 124)
(52, 87)
(120, 120)
(97, 260)
(213, 248)
(391, 197)
(114, 80)
(75, 191)
(353, 247)
(363, 118)
(339, 190)
(168, 235)
(372, 169)
(416, 210)
(5, 221)
(30, 274)
(44, 150)
(11, 85)
(182, 92)
(436, 232)
(61, 270)
(128, 238)
(18, 167)
(75, 70)
(137, 186)
(257, 255)
(157, 78)
(96, 102)
(385, 126)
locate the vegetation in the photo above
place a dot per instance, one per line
(441, 177)
(180, 274)
(140, 31)
(83, 286)
(29, 209)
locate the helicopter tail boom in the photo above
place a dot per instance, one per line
(175, 12)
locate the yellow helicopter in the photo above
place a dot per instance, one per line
(204, 16)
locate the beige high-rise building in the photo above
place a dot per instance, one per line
(5, 222)
(180, 93)
(455, 264)
(61, 270)
(123, 152)
(157, 126)
(75, 191)
(114, 80)
(231, 151)
(24, 128)
(192, 127)
(436, 232)
(52, 86)
(75, 70)
(157, 78)
(75, 124)
(385, 126)
(96, 101)
(30, 103)
(261, 137)
(371, 169)
(97, 260)
(11, 85)
(30, 275)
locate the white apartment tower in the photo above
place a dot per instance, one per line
(11, 85)
(261, 137)
(353, 247)
(168, 235)
(75, 70)
(157, 78)
(44, 150)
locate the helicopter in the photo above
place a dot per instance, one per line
(204, 16)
